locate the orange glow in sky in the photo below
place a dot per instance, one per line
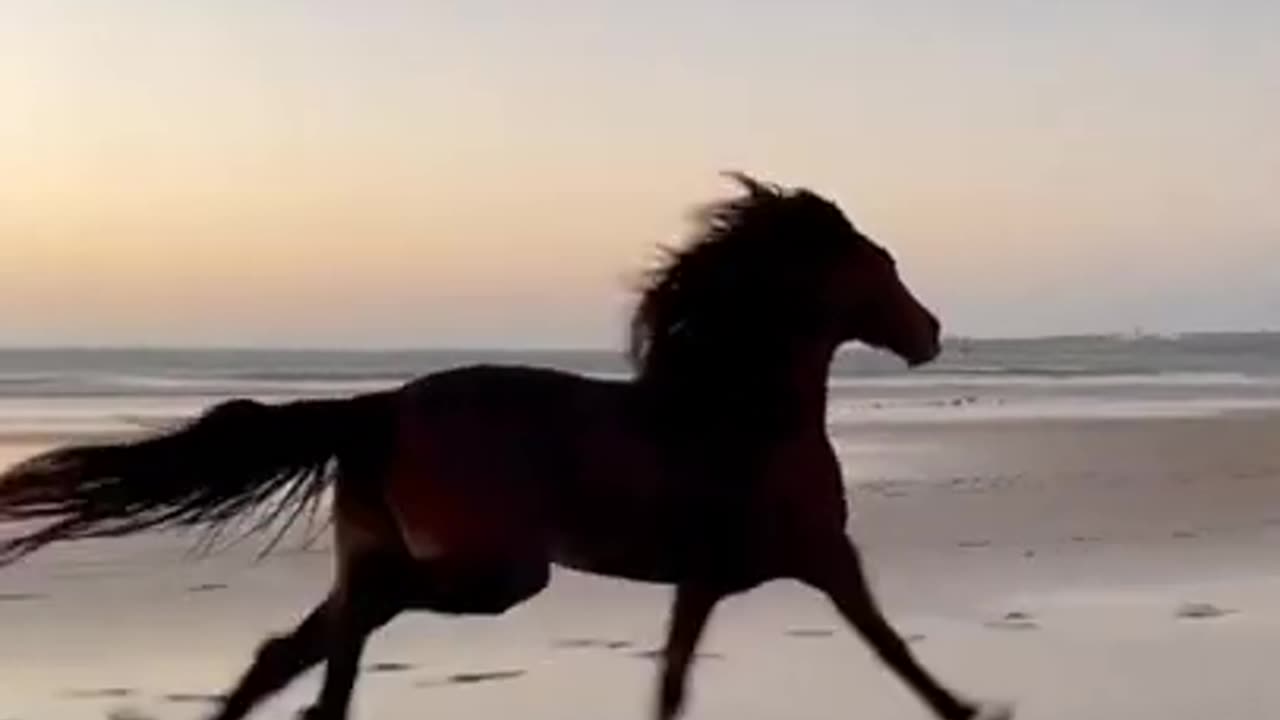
(302, 173)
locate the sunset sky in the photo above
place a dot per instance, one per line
(324, 173)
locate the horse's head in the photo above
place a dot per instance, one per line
(778, 266)
(856, 281)
(869, 301)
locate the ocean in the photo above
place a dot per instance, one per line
(53, 395)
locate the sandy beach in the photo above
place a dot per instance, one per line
(1083, 568)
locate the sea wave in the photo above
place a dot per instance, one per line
(1056, 378)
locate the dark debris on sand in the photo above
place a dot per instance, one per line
(1201, 611)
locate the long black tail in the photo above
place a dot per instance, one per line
(237, 457)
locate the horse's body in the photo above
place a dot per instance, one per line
(539, 466)
(710, 471)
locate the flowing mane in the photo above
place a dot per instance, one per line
(740, 278)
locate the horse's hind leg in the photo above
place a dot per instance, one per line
(689, 616)
(366, 597)
(278, 662)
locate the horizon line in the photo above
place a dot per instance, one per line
(530, 348)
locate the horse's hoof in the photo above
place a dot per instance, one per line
(993, 711)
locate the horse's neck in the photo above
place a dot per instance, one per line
(806, 376)
(781, 388)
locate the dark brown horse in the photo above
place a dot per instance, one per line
(711, 470)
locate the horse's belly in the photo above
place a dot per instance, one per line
(452, 495)
(634, 554)
(575, 480)
(613, 515)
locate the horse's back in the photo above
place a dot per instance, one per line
(491, 459)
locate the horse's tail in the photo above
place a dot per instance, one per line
(233, 459)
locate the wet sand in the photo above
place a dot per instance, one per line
(1125, 568)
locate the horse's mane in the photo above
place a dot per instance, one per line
(733, 282)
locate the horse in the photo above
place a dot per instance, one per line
(709, 470)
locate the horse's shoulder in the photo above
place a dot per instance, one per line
(803, 480)
(809, 455)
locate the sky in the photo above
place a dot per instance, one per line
(496, 172)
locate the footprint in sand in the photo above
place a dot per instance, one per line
(21, 597)
(100, 693)
(1015, 620)
(388, 667)
(810, 633)
(127, 714)
(1201, 611)
(657, 654)
(207, 587)
(472, 678)
(193, 698)
(588, 643)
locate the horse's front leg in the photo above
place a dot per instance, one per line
(689, 615)
(836, 570)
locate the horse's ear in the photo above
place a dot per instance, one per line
(754, 187)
